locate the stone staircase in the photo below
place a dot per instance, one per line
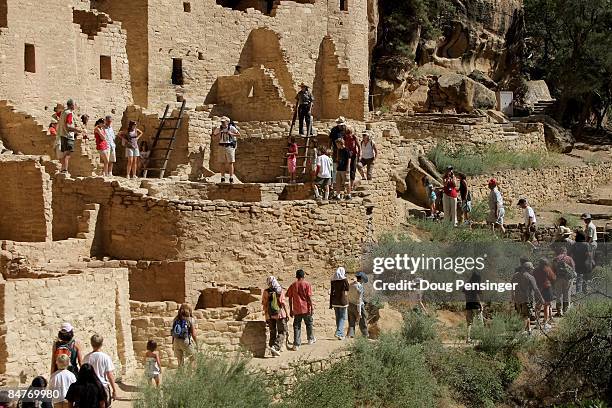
(543, 107)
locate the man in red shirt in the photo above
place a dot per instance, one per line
(301, 308)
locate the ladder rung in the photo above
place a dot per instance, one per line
(162, 148)
(155, 168)
(156, 158)
(169, 118)
(165, 138)
(169, 128)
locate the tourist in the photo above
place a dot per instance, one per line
(466, 198)
(304, 101)
(313, 154)
(102, 145)
(184, 335)
(337, 132)
(565, 271)
(496, 207)
(352, 145)
(292, 152)
(301, 309)
(112, 146)
(227, 134)
(87, 391)
(449, 202)
(526, 289)
(323, 175)
(563, 232)
(368, 153)
(145, 154)
(66, 132)
(52, 130)
(545, 276)
(590, 230)
(430, 192)
(130, 139)
(84, 122)
(32, 397)
(343, 166)
(473, 304)
(103, 367)
(68, 345)
(61, 380)
(275, 310)
(356, 306)
(529, 221)
(582, 253)
(338, 299)
(152, 363)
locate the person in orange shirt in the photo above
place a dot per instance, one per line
(301, 308)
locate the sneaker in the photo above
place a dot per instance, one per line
(348, 197)
(312, 341)
(231, 179)
(274, 351)
(223, 179)
(296, 348)
(547, 327)
(339, 337)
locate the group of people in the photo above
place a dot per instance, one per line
(345, 298)
(65, 127)
(456, 197)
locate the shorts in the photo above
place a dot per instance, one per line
(353, 167)
(129, 152)
(183, 350)
(530, 233)
(466, 206)
(432, 199)
(112, 157)
(342, 178)
(365, 162)
(323, 182)
(547, 294)
(229, 154)
(58, 152)
(470, 314)
(105, 151)
(499, 220)
(67, 145)
(523, 309)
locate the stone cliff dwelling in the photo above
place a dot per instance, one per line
(117, 256)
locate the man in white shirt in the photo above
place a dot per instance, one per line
(103, 366)
(590, 230)
(529, 220)
(110, 139)
(61, 380)
(226, 134)
(368, 155)
(324, 174)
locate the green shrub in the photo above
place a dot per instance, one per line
(444, 232)
(502, 334)
(386, 373)
(490, 159)
(474, 378)
(213, 381)
(418, 328)
(511, 369)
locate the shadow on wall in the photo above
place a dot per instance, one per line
(334, 93)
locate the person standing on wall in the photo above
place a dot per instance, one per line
(301, 308)
(590, 230)
(368, 153)
(110, 140)
(356, 306)
(130, 138)
(227, 134)
(352, 145)
(496, 206)
(184, 335)
(275, 310)
(466, 198)
(338, 299)
(66, 132)
(449, 203)
(529, 221)
(304, 101)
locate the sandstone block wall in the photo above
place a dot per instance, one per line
(67, 65)
(25, 200)
(33, 309)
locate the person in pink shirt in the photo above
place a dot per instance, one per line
(275, 309)
(292, 152)
(449, 200)
(301, 308)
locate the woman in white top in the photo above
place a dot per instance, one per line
(368, 155)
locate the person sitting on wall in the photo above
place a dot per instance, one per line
(304, 100)
(227, 140)
(66, 133)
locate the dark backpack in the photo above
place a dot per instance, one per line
(564, 270)
(181, 329)
(274, 303)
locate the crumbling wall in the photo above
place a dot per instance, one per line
(33, 309)
(25, 200)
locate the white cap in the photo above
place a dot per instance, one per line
(67, 327)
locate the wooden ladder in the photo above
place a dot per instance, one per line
(307, 140)
(166, 123)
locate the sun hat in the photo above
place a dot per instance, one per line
(67, 327)
(341, 120)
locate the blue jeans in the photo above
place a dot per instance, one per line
(297, 328)
(340, 318)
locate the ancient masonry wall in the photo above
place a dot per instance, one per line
(33, 309)
(67, 65)
(25, 200)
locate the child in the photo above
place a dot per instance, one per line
(145, 153)
(61, 380)
(343, 168)
(102, 145)
(431, 196)
(53, 128)
(292, 150)
(313, 153)
(152, 362)
(130, 139)
(323, 174)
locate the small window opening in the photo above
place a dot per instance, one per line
(106, 69)
(177, 71)
(30, 58)
(344, 5)
(187, 7)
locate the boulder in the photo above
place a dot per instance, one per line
(558, 138)
(483, 79)
(465, 94)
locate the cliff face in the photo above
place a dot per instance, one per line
(477, 40)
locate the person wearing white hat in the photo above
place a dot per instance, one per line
(590, 230)
(66, 344)
(304, 100)
(226, 134)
